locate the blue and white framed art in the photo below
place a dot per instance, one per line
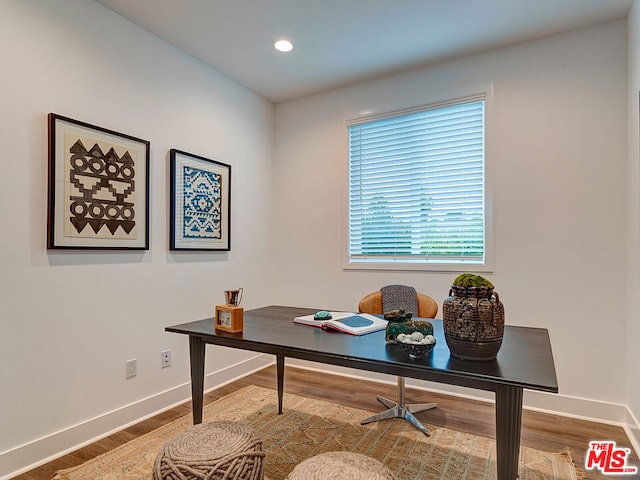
(98, 187)
(200, 203)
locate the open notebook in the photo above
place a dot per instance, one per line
(346, 322)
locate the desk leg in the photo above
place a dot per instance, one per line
(280, 369)
(508, 423)
(196, 354)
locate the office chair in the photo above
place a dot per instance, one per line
(393, 297)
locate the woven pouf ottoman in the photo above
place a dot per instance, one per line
(214, 450)
(340, 466)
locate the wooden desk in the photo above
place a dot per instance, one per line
(525, 361)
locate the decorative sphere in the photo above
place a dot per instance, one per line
(417, 337)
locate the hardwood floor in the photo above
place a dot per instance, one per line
(539, 430)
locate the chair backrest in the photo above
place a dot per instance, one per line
(372, 303)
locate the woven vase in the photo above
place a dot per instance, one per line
(473, 322)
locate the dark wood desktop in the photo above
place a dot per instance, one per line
(524, 361)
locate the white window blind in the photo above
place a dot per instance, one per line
(416, 186)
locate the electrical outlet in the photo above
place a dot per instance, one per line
(165, 358)
(131, 368)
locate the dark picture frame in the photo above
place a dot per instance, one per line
(98, 194)
(200, 203)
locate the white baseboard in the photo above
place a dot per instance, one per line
(632, 428)
(30, 455)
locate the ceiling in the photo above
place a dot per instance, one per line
(339, 42)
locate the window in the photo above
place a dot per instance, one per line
(417, 187)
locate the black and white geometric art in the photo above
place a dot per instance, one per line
(101, 192)
(98, 187)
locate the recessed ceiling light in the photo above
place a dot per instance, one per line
(283, 45)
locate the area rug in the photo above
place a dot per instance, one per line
(309, 427)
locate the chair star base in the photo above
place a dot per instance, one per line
(400, 410)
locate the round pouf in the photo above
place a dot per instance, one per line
(340, 466)
(211, 451)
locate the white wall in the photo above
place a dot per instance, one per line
(633, 214)
(70, 320)
(560, 202)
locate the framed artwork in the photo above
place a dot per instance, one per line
(200, 203)
(98, 187)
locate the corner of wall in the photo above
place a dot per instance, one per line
(633, 216)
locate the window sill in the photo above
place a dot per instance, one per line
(411, 266)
